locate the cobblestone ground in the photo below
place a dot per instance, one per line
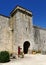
(37, 59)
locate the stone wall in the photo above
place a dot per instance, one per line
(5, 35)
(40, 39)
(37, 39)
(17, 29)
(22, 30)
(43, 40)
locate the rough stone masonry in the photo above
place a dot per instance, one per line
(17, 29)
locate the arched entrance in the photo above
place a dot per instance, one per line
(25, 47)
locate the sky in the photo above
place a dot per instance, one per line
(38, 8)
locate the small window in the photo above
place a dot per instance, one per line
(44, 41)
(12, 30)
(26, 28)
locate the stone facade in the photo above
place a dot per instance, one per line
(5, 34)
(17, 29)
(40, 39)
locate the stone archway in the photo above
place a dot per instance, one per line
(26, 46)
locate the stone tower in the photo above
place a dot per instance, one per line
(22, 28)
(18, 30)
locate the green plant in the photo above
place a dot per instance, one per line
(35, 51)
(4, 56)
(22, 54)
(39, 51)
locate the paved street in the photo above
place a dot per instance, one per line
(37, 59)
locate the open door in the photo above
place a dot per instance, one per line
(25, 47)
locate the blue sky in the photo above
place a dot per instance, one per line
(38, 8)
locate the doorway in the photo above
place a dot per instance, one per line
(26, 46)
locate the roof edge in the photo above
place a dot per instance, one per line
(4, 16)
(20, 8)
(38, 27)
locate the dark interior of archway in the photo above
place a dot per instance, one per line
(25, 47)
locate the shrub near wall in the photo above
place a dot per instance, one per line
(4, 57)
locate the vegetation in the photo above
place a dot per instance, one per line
(35, 52)
(4, 57)
(21, 54)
